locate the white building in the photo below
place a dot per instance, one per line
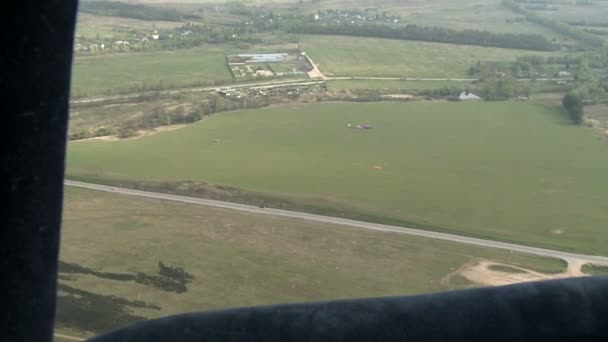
(465, 95)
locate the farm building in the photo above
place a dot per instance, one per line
(465, 95)
(257, 58)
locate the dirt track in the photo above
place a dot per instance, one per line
(480, 272)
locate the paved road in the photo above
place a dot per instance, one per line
(571, 258)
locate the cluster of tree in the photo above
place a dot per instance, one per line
(573, 103)
(431, 34)
(192, 35)
(449, 92)
(502, 88)
(543, 7)
(590, 87)
(159, 116)
(121, 9)
(582, 37)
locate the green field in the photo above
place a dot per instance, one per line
(595, 270)
(512, 171)
(89, 26)
(356, 56)
(128, 71)
(596, 13)
(393, 84)
(237, 259)
(487, 15)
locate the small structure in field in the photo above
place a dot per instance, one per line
(350, 125)
(465, 96)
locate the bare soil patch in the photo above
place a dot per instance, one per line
(490, 273)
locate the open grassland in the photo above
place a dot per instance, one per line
(595, 270)
(90, 25)
(132, 71)
(488, 15)
(595, 13)
(356, 56)
(236, 259)
(510, 171)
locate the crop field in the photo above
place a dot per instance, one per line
(130, 71)
(235, 259)
(512, 171)
(356, 56)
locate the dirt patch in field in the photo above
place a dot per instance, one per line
(488, 273)
(398, 96)
(104, 138)
(145, 133)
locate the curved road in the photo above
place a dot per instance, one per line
(571, 258)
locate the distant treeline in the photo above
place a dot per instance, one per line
(587, 23)
(121, 9)
(582, 37)
(431, 34)
(595, 31)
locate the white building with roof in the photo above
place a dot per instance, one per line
(465, 95)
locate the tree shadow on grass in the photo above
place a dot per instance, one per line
(88, 311)
(169, 278)
(92, 312)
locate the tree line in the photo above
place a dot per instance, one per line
(431, 34)
(121, 9)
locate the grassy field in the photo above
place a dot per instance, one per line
(487, 15)
(236, 259)
(390, 84)
(595, 270)
(356, 56)
(596, 13)
(511, 171)
(89, 25)
(97, 75)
